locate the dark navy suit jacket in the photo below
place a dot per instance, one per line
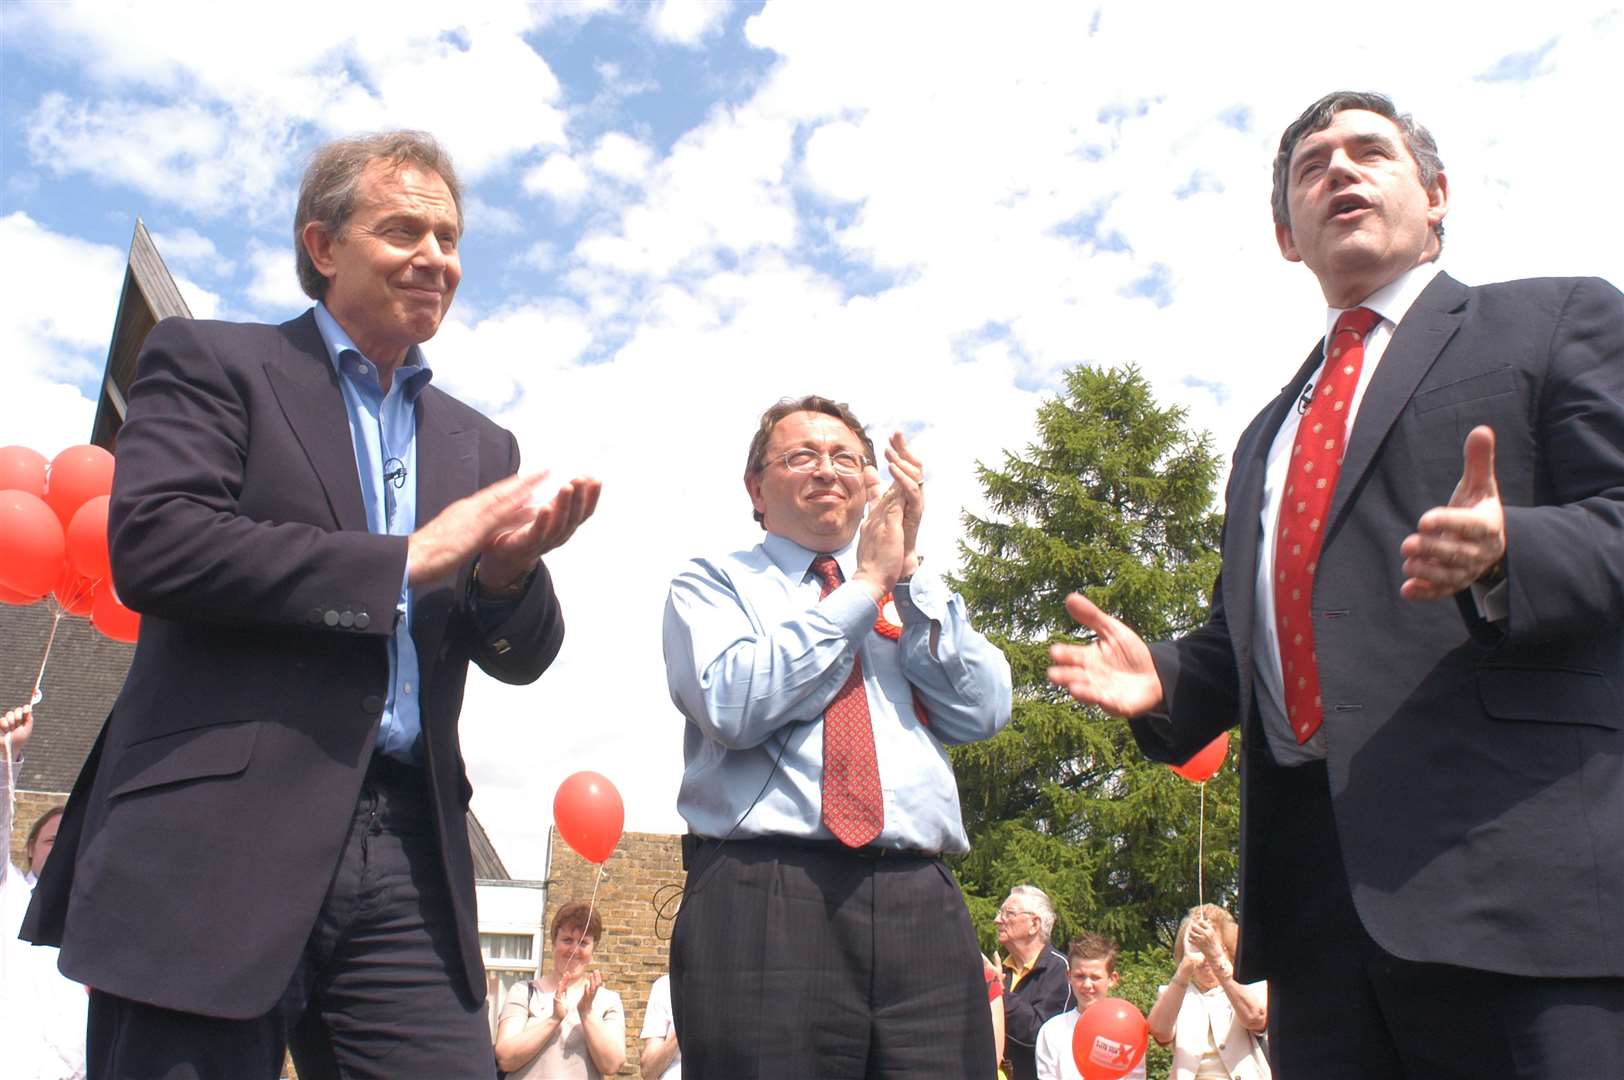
(204, 830)
(1476, 769)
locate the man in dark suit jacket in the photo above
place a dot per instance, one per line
(1432, 852)
(268, 842)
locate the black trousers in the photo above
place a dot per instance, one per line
(378, 993)
(1340, 1006)
(808, 961)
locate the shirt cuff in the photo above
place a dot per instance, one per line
(1493, 601)
(923, 596)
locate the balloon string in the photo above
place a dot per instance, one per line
(1201, 850)
(39, 679)
(590, 906)
(11, 792)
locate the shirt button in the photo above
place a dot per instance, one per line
(407, 688)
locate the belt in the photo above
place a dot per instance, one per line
(692, 842)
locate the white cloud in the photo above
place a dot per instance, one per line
(274, 288)
(686, 22)
(622, 157)
(484, 217)
(186, 246)
(237, 118)
(561, 178)
(61, 293)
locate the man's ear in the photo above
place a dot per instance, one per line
(318, 243)
(1288, 248)
(752, 484)
(1438, 201)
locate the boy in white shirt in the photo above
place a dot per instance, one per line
(1091, 969)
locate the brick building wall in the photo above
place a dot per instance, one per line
(645, 870)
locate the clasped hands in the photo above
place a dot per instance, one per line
(889, 535)
(590, 982)
(1453, 546)
(503, 526)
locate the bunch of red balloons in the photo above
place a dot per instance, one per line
(53, 535)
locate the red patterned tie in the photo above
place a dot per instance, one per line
(853, 808)
(1316, 459)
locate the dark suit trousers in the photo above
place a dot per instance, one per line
(1340, 1006)
(817, 963)
(378, 993)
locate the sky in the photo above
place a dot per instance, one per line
(679, 212)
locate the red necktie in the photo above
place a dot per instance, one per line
(853, 808)
(1316, 459)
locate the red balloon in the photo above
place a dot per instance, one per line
(1207, 761)
(87, 540)
(78, 474)
(74, 592)
(31, 544)
(112, 618)
(12, 596)
(22, 469)
(589, 815)
(1109, 1039)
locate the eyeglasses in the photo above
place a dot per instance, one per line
(804, 460)
(1005, 915)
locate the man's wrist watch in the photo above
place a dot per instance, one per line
(506, 592)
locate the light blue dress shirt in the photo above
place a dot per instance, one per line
(383, 428)
(753, 658)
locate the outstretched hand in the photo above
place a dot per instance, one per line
(1114, 671)
(1457, 544)
(511, 553)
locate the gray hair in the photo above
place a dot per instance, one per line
(1041, 905)
(333, 178)
(1318, 116)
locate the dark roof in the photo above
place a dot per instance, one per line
(487, 863)
(82, 677)
(149, 295)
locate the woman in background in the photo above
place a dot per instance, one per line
(565, 1025)
(1212, 1022)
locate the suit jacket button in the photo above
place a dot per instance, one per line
(331, 618)
(372, 704)
(314, 616)
(362, 620)
(346, 619)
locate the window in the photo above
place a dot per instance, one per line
(509, 960)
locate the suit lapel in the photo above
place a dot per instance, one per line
(306, 387)
(1243, 514)
(1431, 321)
(447, 470)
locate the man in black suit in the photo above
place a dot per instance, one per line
(268, 843)
(1430, 685)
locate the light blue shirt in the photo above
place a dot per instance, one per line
(753, 658)
(383, 428)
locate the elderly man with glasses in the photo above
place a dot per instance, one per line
(822, 674)
(1035, 984)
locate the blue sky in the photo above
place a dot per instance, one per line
(679, 212)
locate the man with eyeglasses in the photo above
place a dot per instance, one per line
(822, 674)
(1035, 983)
